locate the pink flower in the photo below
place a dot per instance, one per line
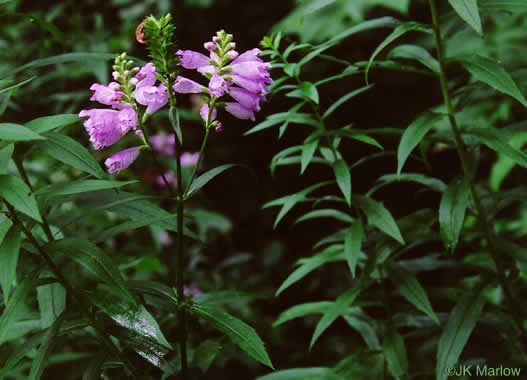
(146, 76)
(246, 98)
(183, 85)
(121, 160)
(249, 55)
(210, 46)
(165, 238)
(217, 85)
(189, 159)
(239, 111)
(251, 69)
(192, 60)
(163, 143)
(106, 126)
(108, 95)
(219, 127)
(253, 85)
(204, 113)
(154, 97)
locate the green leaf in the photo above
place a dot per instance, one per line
(468, 11)
(397, 32)
(488, 71)
(5, 156)
(17, 132)
(326, 213)
(459, 326)
(497, 140)
(203, 179)
(343, 176)
(46, 347)
(205, 354)
(302, 310)
(417, 53)
(9, 250)
(309, 90)
(379, 216)
(93, 259)
(238, 331)
(352, 244)
(19, 353)
(224, 297)
(16, 85)
(311, 373)
(433, 183)
(308, 265)
(289, 117)
(395, 353)
(366, 331)
(410, 288)
(17, 194)
(344, 99)
(173, 115)
(51, 303)
(452, 209)
(412, 136)
(70, 152)
(509, 5)
(80, 186)
(11, 313)
(308, 150)
(504, 164)
(334, 311)
(47, 123)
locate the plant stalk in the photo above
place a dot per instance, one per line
(482, 213)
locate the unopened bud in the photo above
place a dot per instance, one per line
(210, 46)
(115, 75)
(232, 45)
(232, 54)
(126, 72)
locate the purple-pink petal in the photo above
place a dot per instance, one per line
(189, 159)
(191, 59)
(122, 160)
(169, 176)
(217, 86)
(154, 97)
(146, 76)
(253, 85)
(251, 69)
(249, 55)
(239, 111)
(163, 143)
(106, 94)
(246, 98)
(204, 113)
(183, 85)
(106, 126)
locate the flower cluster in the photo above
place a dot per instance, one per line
(242, 76)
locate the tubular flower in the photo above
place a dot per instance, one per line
(106, 126)
(122, 160)
(183, 85)
(108, 95)
(164, 143)
(224, 68)
(189, 159)
(146, 94)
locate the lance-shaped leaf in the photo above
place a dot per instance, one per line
(497, 140)
(452, 210)
(17, 132)
(309, 264)
(70, 152)
(238, 331)
(203, 179)
(93, 259)
(488, 71)
(397, 32)
(309, 91)
(417, 53)
(343, 176)
(173, 115)
(18, 195)
(51, 302)
(468, 11)
(11, 313)
(9, 250)
(352, 244)
(334, 311)
(80, 186)
(309, 373)
(412, 136)
(344, 99)
(410, 288)
(395, 353)
(379, 216)
(5, 156)
(47, 123)
(459, 326)
(302, 310)
(46, 348)
(308, 150)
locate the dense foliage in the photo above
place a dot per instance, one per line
(353, 210)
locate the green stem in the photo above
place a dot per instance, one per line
(201, 150)
(482, 213)
(180, 267)
(83, 309)
(22, 171)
